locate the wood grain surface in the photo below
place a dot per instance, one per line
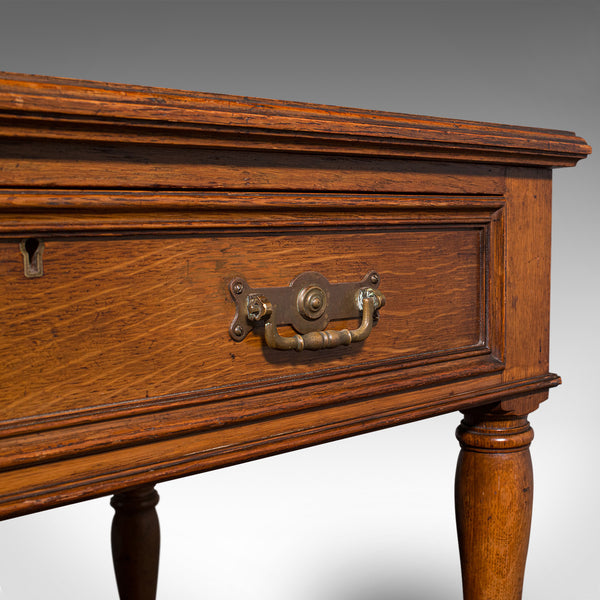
(494, 500)
(115, 320)
(92, 111)
(118, 368)
(68, 164)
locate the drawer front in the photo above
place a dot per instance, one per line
(122, 323)
(119, 366)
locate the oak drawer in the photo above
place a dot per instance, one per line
(120, 322)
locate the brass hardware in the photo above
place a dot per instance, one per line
(258, 307)
(307, 304)
(32, 250)
(315, 340)
(312, 302)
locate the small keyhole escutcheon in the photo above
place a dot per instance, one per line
(32, 250)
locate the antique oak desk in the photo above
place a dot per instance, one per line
(191, 280)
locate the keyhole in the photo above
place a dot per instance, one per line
(31, 245)
(32, 249)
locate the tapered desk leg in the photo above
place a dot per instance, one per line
(494, 492)
(135, 541)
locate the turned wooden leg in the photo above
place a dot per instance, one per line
(494, 492)
(135, 541)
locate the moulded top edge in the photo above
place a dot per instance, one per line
(64, 100)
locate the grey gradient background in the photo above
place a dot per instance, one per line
(369, 518)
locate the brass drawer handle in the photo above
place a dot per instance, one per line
(307, 304)
(315, 340)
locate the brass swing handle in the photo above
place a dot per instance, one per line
(330, 338)
(368, 300)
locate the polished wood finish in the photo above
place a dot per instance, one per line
(93, 111)
(118, 368)
(494, 494)
(135, 541)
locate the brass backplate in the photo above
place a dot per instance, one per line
(308, 303)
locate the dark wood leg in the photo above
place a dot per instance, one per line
(135, 541)
(494, 493)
